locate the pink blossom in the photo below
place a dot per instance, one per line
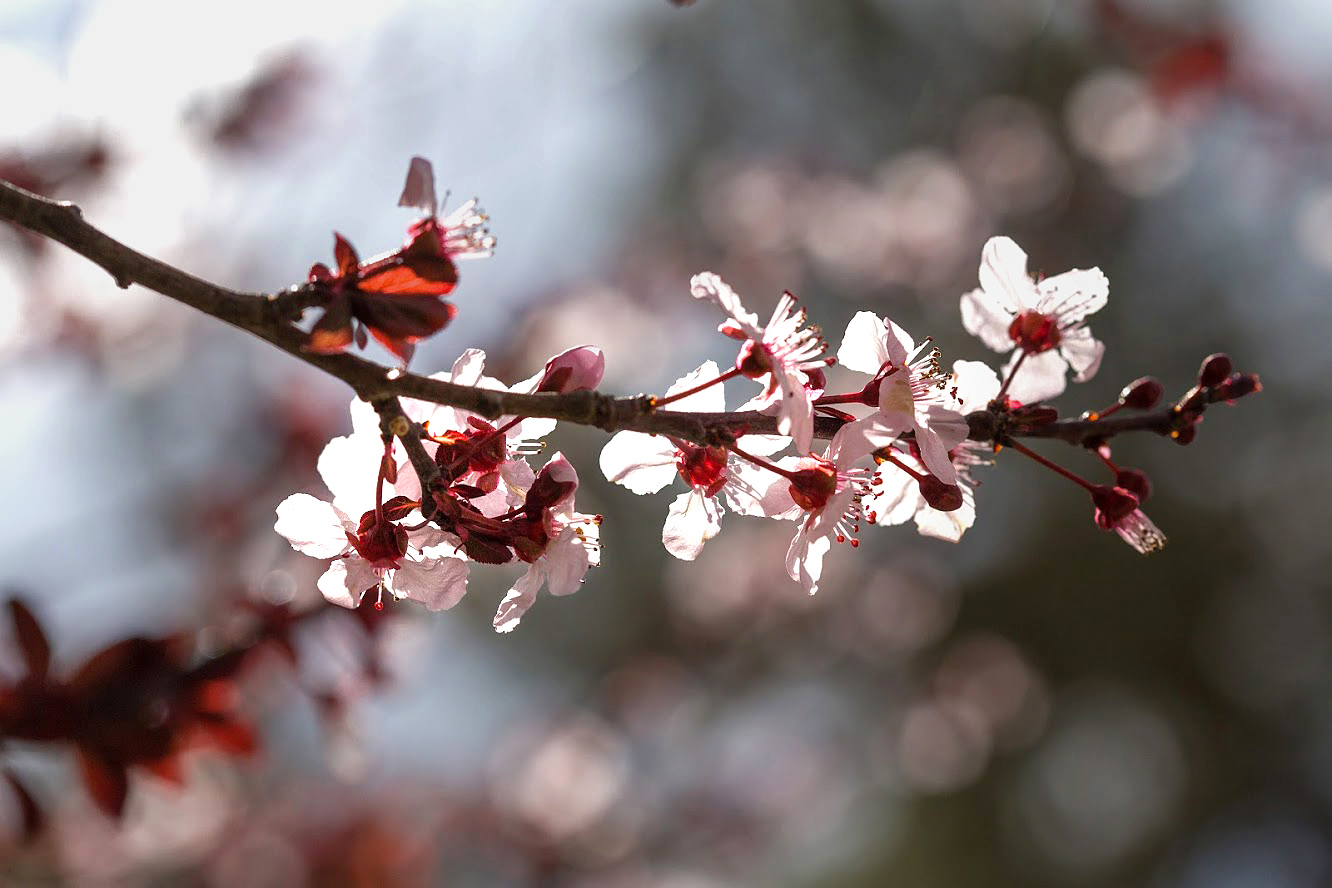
(368, 551)
(895, 496)
(566, 545)
(577, 370)
(647, 463)
(1118, 509)
(1044, 321)
(913, 392)
(784, 354)
(460, 235)
(827, 491)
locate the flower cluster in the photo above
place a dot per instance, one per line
(482, 504)
(909, 450)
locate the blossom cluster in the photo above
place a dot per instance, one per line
(906, 453)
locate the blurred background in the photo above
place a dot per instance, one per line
(1037, 706)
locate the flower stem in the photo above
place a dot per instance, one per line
(761, 463)
(1003, 389)
(1054, 467)
(662, 402)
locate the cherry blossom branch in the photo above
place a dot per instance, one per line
(271, 317)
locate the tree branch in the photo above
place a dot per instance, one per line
(271, 317)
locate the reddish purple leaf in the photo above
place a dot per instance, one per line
(31, 640)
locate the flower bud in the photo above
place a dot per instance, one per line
(1135, 482)
(1214, 370)
(1113, 504)
(576, 370)
(941, 497)
(1185, 435)
(1238, 386)
(1142, 394)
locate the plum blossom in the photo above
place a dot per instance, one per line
(1118, 509)
(560, 543)
(368, 549)
(1043, 322)
(912, 395)
(827, 491)
(647, 463)
(785, 355)
(460, 235)
(895, 496)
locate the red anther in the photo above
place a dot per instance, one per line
(1214, 370)
(1035, 332)
(1135, 482)
(1142, 394)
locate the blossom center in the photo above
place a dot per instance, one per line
(702, 467)
(812, 486)
(1035, 332)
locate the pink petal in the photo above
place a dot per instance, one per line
(804, 560)
(1004, 278)
(419, 189)
(1083, 353)
(1073, 295)
(642, 463)
(1040, 378)
(567, 562)
(518, 600)
(691, 521)
(346, 580)
(312, 526)
(976, 384)
(795, 417)
(712, 288)
(438, 583)
(863, 347)
(710, 400)
(986, 318)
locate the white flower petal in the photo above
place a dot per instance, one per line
(976, 383)
(348, 466)
(312, 526)
(763, 445)
(712, 288)
(795, 416)
(346, 580)
(710, 400)
(1083, 353)
(468, 368)
(863, 347)
(1004, 278)
(1040, 378)
(691, 521)
(1073, 295)
(987, 319)
(948, 525)
(438, 583)
(804, 559)
(895, 498)
(642, 463)
(566, 563)
(518, 600)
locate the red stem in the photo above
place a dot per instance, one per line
(662, 402)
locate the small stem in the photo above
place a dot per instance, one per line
(895, 460)
(761, 463)
(848, 398)
(662, 402)
(1054, 467)
(379, 482)
(1003, 389)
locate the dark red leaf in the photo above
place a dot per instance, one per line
(333, 332)
(107, 783)
(31, 640)
(167, 768)
(346, 257)
(405, 317)
(118, 664)
(419, 276)
(232, 736)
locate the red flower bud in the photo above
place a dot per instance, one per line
(1113, 504)
(1142, 394)
(1135, 482)
(941, 497)
(1238, 386)
(1214, 370)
